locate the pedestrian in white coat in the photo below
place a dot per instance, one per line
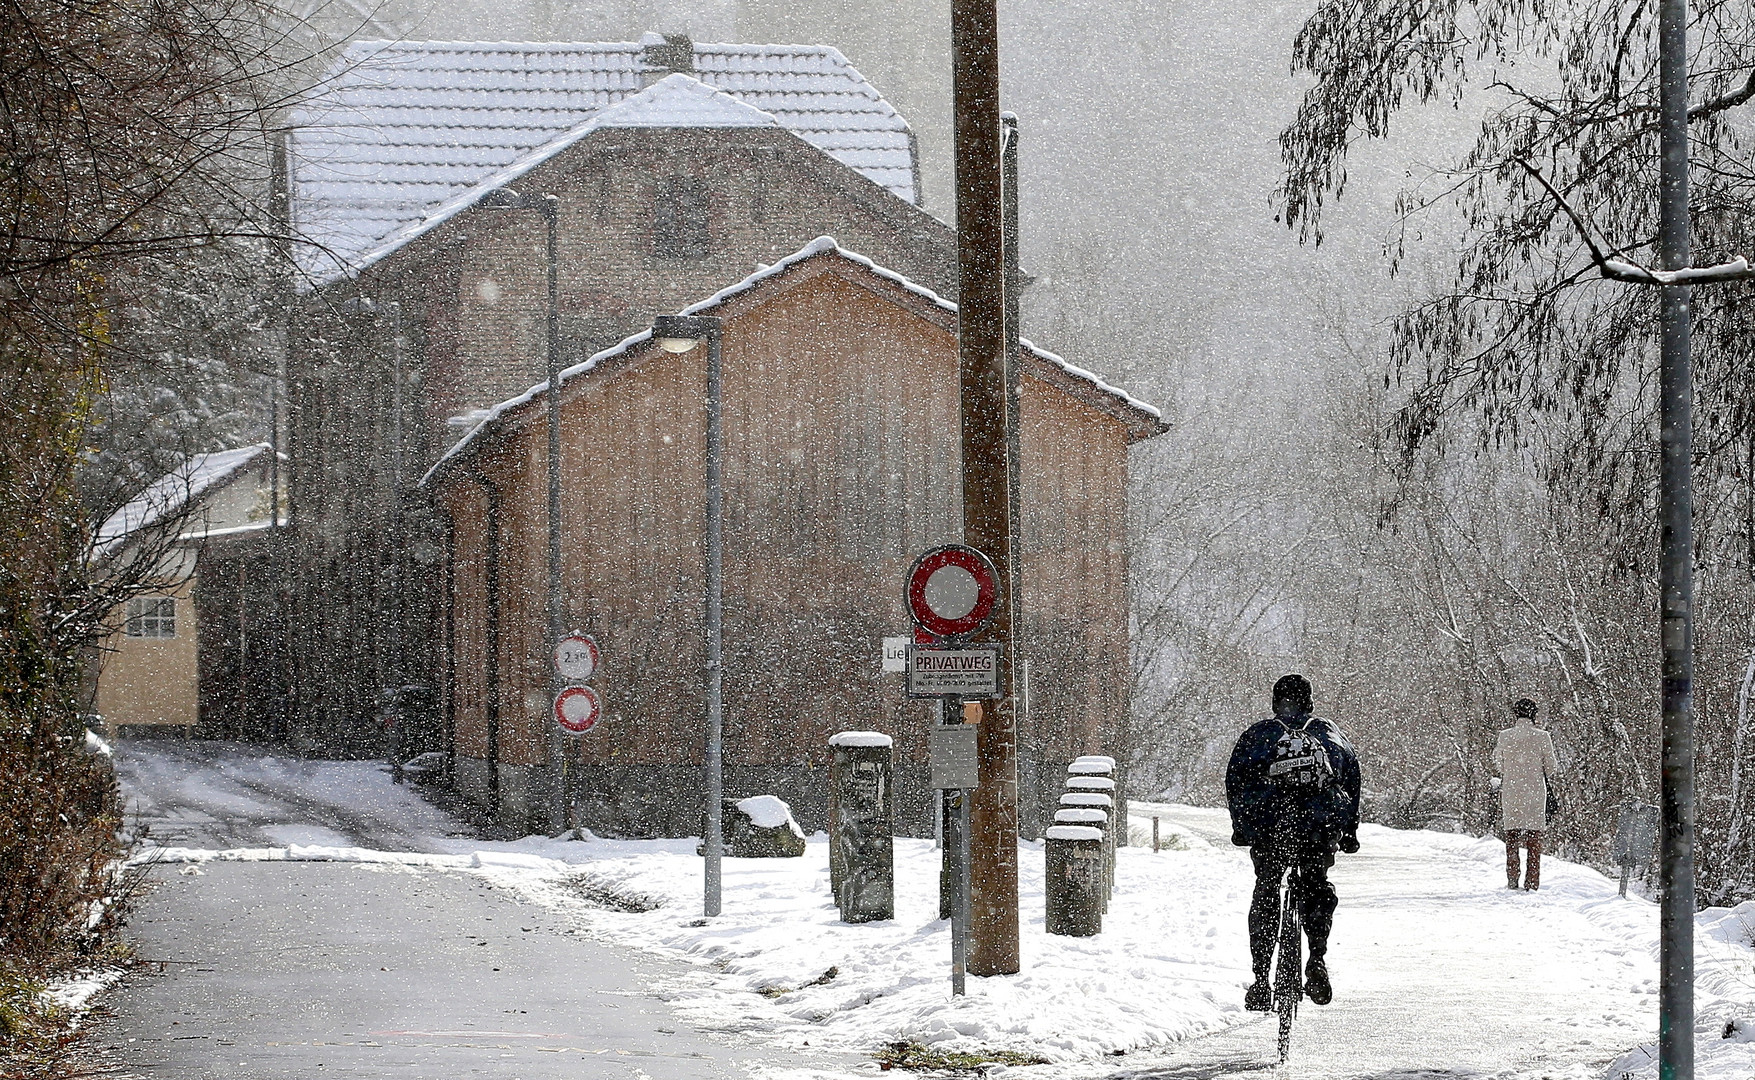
(1526, 762)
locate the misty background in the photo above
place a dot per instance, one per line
(1279, 526)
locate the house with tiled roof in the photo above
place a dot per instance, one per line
(674, 168)
(401, 127)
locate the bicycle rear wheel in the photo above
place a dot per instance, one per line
(1288, 964)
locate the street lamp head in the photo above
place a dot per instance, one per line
(501, 199)
(680, 333)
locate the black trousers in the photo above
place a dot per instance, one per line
(1316, 902)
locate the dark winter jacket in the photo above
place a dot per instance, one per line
(1264, 814)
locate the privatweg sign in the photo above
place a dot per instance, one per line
(970, 674)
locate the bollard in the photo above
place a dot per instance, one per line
(1102, 785)
(1098, 819)
(1154, 832)
(862, 860)
(1082, 815)
(1073, 878)
(1102, 766)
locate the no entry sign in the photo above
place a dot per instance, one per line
(577, 709)
(952, 591)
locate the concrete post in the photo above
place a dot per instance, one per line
(1097, 800)
(1101, 785)
(1074, 880)
(862, 861)
(1104, 765)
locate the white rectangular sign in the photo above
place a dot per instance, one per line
(955, 761)
(895, 654)
(971, 674)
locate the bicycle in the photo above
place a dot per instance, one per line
(1288, 968)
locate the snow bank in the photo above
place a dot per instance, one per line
(768, 812)
(74, 993)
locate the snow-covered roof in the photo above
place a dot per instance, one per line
(169, 494)
(401, 127)
(674, 101)
(1118, 400)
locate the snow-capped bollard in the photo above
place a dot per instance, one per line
(862, 846)
(1090, 783)
(1074, 880)
(1097, 818)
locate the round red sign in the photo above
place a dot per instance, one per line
(952, 590)
(577, 709)
(577, 657)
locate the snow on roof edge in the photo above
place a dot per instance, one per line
(822, 245)
(172, 491)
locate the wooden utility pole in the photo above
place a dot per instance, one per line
(981, 365)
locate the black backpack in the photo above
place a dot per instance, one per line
(1300, 762)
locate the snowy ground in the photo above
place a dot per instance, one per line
(1437, 967)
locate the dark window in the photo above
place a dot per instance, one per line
(681, 221)
(152, 617)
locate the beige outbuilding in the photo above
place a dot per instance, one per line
(150, 663)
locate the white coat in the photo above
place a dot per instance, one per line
(1525, 759)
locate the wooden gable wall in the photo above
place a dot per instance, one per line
(841, 467)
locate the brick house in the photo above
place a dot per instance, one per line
(841, 465)
(676, 167)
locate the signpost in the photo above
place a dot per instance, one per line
(577, 708)
(952, 593)
(964, 674)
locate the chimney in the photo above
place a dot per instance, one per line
(663, 54)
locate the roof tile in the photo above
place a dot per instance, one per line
(409, 126)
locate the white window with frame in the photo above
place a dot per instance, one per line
(152, 617)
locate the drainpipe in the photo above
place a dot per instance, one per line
(491, 677)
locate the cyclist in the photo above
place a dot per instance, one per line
(1293, 788)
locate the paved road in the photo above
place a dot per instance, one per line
(200, 793)
(302, 970)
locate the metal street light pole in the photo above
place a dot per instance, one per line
(1676, 563)
(679, 334)
(549, 207)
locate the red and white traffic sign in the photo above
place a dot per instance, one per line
(952, 591)
(577, 657)
(577, 709)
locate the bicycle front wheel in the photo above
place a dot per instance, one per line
(1288, 972)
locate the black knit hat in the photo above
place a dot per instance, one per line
(1292, 696)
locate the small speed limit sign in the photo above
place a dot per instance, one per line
(577, 709)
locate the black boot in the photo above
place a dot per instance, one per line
(1260, 996)
(1316, 986)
